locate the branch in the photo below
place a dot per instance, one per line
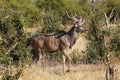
(107, 20)
(4, 43)
(115, 18)
(111, 14)
(11, 48)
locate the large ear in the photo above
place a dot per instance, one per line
(81, 22)
(76, 24)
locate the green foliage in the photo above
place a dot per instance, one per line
(52, 22)
(115, 42)
(15, 15)
(95, 49)
(15, 51)
(11, 29)
(112, 3)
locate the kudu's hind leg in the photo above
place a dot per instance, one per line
(43, 59)
(36, 57)
(39, 56)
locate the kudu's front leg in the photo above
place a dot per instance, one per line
(64, 59)
(64, 56)
(69, 66)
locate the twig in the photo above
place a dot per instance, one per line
(11, 48)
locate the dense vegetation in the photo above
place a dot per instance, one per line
(15, 15)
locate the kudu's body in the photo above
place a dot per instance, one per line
(58, 42)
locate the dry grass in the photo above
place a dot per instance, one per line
(80, 44)
(79, 72)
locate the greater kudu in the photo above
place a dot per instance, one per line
(61, 42)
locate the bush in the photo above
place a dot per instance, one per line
(95, 49)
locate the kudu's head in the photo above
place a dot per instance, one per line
(78, 22)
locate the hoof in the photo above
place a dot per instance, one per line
(64, 73)
(68, 70)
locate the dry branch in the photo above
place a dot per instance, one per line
(11, 48)
(108, 18)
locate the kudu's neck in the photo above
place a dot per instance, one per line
(73, 35)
